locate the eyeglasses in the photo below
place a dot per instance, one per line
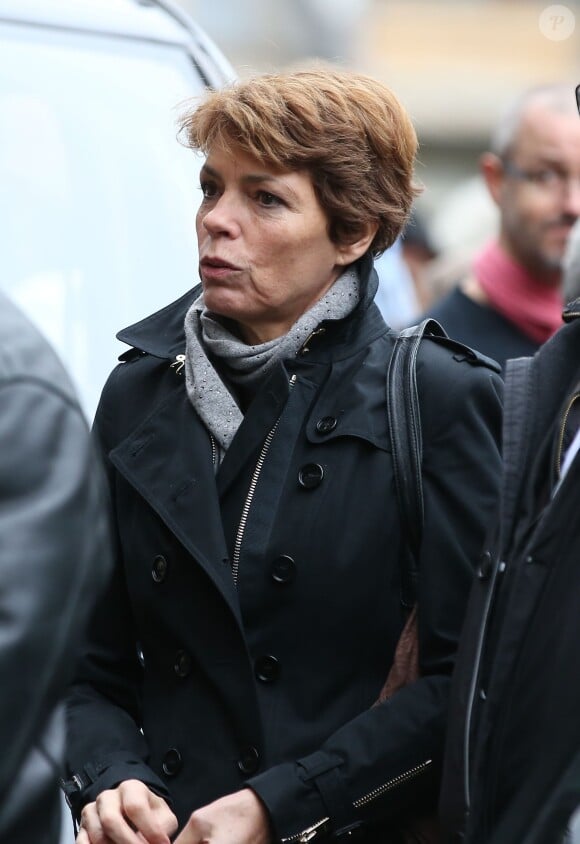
(545, 178)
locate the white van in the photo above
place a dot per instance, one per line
(97, 197)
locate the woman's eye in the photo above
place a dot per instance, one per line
(208, 190)
(268, 200)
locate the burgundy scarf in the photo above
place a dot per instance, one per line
(533, 306)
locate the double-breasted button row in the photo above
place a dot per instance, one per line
(182, 664)
(172, 762)
(310, 475)
(267, 668)
(249, 761)
(485, 566)
(326, 424)
(159, 569)
(283, 570)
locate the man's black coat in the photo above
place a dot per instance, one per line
(512, 772)
(54, 556)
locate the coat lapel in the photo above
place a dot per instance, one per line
(168, 460)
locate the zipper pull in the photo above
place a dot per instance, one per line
(178, 363)
(305, 346)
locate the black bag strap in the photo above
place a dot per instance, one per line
(404, 419)
(517, 416)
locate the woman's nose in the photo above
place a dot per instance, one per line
(222, 217)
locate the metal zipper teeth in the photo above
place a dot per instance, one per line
(562, 432)
(307, 834)
(250, 495)
(213, 449)
(398, 780)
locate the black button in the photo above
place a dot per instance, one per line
(159, 570)
(310, 475)
(326, 424)
(283, 569)
(172, 762)
(182, 664)
(267, 669)
(485, 566)
(249, 761)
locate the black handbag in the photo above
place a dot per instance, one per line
(404, 418)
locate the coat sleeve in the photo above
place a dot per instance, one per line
(387, 762)
(105, 744)
(54, 556)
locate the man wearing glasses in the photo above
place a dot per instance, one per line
(511, 302)
(512, 762)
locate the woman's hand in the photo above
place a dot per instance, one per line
(128, 814)
(238, 818)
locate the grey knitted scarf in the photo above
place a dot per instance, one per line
(243, 364)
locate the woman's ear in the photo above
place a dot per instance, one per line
(347, 253)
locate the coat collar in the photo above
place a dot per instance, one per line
(162, 334)
(572, 310)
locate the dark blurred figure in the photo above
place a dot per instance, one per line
(418, 252)
(403, 293)
(511, 301)
(512, 772)
(53, 554)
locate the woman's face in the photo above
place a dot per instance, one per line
(264, 250)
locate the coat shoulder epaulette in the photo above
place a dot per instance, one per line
(465, 353)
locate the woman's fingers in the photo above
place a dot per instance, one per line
(239, 817)
(91, 831)
(147, 812)
(128, 814)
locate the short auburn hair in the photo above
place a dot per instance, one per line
(347, 130)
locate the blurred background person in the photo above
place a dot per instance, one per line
(404, 292)
(54, 556)
(511, 301)
(396, 296)
(419, 254)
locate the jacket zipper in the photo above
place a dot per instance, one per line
(388, 786)
(306, 345)
(474, 680)
(562, 431)
(309, 833)
(213, 450)
(249, 497)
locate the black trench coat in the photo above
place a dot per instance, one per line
(196, 685)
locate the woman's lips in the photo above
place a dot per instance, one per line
(218, 263)
(216, 268)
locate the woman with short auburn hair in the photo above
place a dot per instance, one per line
(357, 144)
(228, 681)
